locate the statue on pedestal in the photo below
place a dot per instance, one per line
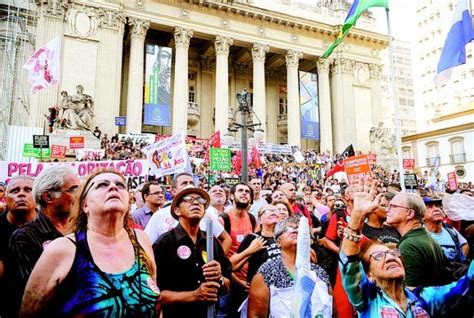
(381, 141)
(77, 110)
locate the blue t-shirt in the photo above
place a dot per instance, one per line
(448, 245)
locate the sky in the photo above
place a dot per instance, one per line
(402, 19)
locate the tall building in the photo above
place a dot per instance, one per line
(189, 58)
(445, 113)
(405, 90)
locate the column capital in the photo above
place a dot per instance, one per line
(139, 27)
(375, 70)
(111, 19)
(258, 51)
(222, 44)
(182, 36)
(53, 8)
(343, 65)
(293, 58)
(323, 65)
(206, 63)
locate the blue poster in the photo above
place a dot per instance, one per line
(309, 105)
(157, 85)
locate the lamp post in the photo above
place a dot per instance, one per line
(245, 110)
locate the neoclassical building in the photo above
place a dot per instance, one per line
(219, 47)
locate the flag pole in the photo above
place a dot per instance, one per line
(395, 104)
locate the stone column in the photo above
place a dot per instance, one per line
(259, 103)
(222, 45)
(138, 30)
(207, 96)
(182, 38)
(272, 99)
(294, 124)
(342, 97)
(325, 118)
(50, 25)
(376, 87)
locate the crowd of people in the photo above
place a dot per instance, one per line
(93, 247)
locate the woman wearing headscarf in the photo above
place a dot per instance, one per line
(104, 269)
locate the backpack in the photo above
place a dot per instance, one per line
(452, 232)
(227, 225)
(454, 270)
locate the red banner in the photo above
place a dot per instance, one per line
(409, 164)
(215, 139)
(76, 142)
(452, 181)
(58, 151)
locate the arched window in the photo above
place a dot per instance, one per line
(432, 153)
(407, 152)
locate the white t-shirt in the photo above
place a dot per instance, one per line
(256, 206)
(162, 222)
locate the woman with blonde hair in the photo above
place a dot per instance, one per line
(104, 268)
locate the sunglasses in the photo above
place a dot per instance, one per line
(189, 199)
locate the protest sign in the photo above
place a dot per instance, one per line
(40, 141)
(120, 121)
(215, 139)
(220, 159)
(231, 181)
(356, 167)
(168, 156)
(30, 151)
(411, 181)
(134, 171)
(76, 142)
(90, 154)
(409, 164)
(58, 151)
(138, 138)
(452, 181)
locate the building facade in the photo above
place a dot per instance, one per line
(405, 90)
(219, 48)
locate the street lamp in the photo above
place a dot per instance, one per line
(245, 110)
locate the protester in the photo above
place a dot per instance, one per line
(289, 190)
(53, 190)
(153, 195)
(271, 288)
(420, 252)
(283, 208)
(20, 210)
(218, 198)
(163, 221)
(3, 205)
(103, 268)
(188, 283)
(453, 244)
(258, 200)
(375, 229)
(137, 195)
(377, 288)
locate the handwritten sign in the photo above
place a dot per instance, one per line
(411, 181)
(220, 159)
(30, 151)
(58, 151)
(76, 142)
(409, 164)
(356, 167)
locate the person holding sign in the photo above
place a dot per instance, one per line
(188, 282)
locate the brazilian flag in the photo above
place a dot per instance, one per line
(358, 7)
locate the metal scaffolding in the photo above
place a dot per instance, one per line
(17, 23)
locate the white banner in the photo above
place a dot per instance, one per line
(134, 171)
(90, 154)
(138, 138)
(168, 156)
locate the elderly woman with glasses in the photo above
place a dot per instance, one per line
(272, 286)
(374, 275)
(104, 268)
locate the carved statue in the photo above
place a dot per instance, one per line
(77, 110)
(381, 141)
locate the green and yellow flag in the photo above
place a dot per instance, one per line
(358, 7)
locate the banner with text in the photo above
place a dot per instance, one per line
(157, 85)
(30, 151)
(409, 164)
(309, 105)
(134, 171)
(168, 156)
(356, 167)
(220, 159)
(452, 181)
(58, 151)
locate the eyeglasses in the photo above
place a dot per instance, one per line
(290, 229)
(390, 206)
(381, 255)
(189, 199)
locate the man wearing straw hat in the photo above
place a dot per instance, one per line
(188, 282)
